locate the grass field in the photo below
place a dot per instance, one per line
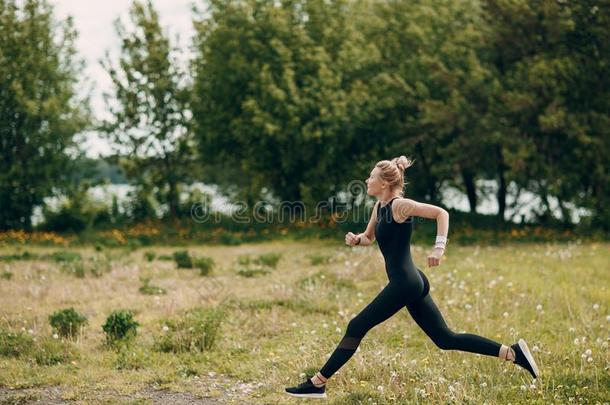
(266, 327)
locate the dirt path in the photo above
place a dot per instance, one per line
(149, 395)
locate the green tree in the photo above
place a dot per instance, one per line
(552, 61)
(150, 109)
(277, 93)
(40, 111)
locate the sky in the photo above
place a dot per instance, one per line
(94, 21)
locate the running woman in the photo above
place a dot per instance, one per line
(391, 224)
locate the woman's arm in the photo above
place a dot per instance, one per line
(405, 207)
(368, 236)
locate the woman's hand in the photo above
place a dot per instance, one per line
(434, 258)
(351, 239)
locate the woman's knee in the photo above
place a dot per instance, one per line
(445, 341)
(356, 328)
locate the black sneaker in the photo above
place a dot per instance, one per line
(307, 390)
(524, 358)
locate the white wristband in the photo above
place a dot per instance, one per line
(441, 239)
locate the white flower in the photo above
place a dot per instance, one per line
(509, 284)
(590, 360)
(380, 388)
(338, 330)
(588, 352)
(583, 356)
(165, 328)
(294, 324)
(596, 306)
(505, 314)
(576, 341)
(30, 331)
(535, 349)
(533, 386)
(302, 375)
(55, 336)
(483, 385)
(572, 329)
(523, 388)
(539, 307)
(605, 344)
(608, 318)
(468, 306)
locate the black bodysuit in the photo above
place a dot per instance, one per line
(407, 287)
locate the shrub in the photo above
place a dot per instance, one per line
(205, 265)
(120, 325)
(150, 256)
(197, 330)
(6, 275)
(45, 351)
(98, 266)
(166, 258)
(76, 269)
(131, 357)
(15, 344)
(49, 352)
(67, 322)
(227, 238)
(183, 260)
(269, 259)
(23, 256)
(244, 260)
(64, 256)
(252, 272)
(316, 260)
(148, 289)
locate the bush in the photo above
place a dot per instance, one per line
(150, 256)
(196, 331)
(316, 260)
(120, 325)
(76, 269)
(205, 265)
(67, 322)
(131, 357)
(269, 259)
(244, 260)
(49, 352)
(15, 344)
(252, 272)
(227, 238)
(6, 275)
(64, 256)
(148, 289)
(183, 260)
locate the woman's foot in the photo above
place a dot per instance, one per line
(307, 390)
(524, 358)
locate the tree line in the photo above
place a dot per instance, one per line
(299, 97)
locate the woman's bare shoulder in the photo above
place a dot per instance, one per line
(403, 208)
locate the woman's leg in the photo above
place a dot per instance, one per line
(425, 312)
(389, 301)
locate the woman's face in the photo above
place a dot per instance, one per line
(374, 183)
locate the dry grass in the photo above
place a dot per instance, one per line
(282, 324)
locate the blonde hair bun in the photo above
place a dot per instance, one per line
(403, 162)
